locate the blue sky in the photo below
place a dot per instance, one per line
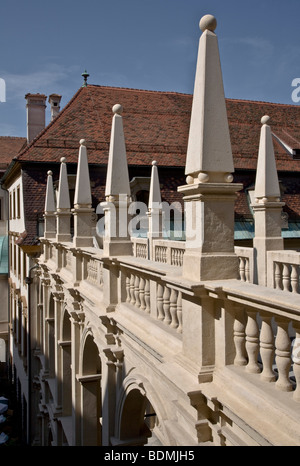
(144, 44)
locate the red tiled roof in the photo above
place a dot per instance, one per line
(244, 124)
(9, 148)
(156, 126)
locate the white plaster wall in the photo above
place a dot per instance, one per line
(4, 217)
(17, 224)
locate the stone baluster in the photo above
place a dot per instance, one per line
(179, 312)
(277, 276)
(295, 279)
(283, 355)
(128, 297)
(247, 270)
(252, 343)
(160, 306)
(173, 308)
(132, 296)
(286, 277)
(239, 336)
(142, 294)
(242, 269)
(137, 291)
(267, 349)
(166, 305)
(147, 295)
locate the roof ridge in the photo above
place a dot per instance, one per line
(139, 90)
(12, 137)
(261, 102)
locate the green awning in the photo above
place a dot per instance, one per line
(245, 230)
(3, 255)
(293, 230)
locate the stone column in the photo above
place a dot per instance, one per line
(267, 206)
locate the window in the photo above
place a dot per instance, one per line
(10, 206)
(14, 205)
(18, 203)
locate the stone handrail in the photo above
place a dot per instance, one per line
(284, 270)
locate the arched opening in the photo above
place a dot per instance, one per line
(91, 402)
(137, 419)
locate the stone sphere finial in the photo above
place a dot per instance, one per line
(63, 159)
(154, 162)
(117, 109)
(265, 119)
(82, 142)
(49, 173)
(208, 22)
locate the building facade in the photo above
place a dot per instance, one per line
(130, 339)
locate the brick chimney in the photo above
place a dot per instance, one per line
(54, 101)
(36, 120)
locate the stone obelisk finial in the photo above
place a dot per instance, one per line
(117, 192)
(154, 209)
(49, 215)
(209, 194)
(63, 209)
(83, 201)
(267, 206)
(209, 149)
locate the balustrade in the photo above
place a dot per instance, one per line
(245, 256)
(264, 345)
(94, 272)
(284, 270)
(165, 251)
(168, 300)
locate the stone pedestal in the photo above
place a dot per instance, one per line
(82, 226)
(209, 213)
(268, 223)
